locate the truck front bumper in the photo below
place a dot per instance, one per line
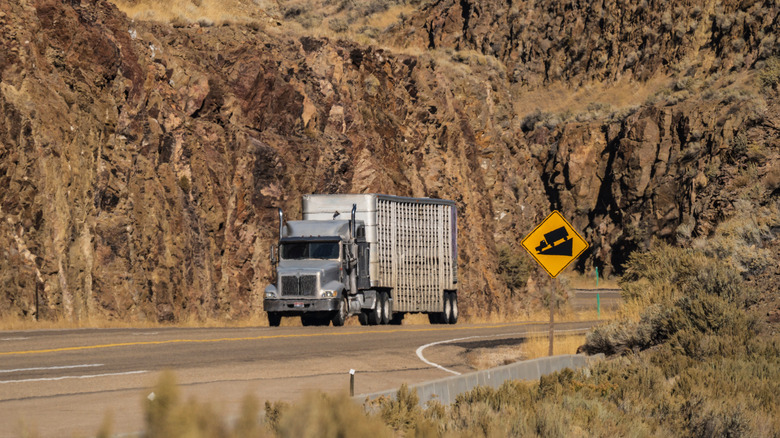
(300, 305)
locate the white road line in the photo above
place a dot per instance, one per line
(64, 367)
(422, 358)
(72, 377)
(13, 339)
(146, 334)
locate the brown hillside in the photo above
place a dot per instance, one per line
(141, 161)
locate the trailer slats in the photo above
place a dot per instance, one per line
(415, 253)
(413, 244)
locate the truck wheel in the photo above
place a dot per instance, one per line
(341, 315)
(387, 311)
(375, 314)
(363, 318)
(308, 320)
(274, 319)
(453, 298)
(435, 317)
(447, 314)
(397, 319)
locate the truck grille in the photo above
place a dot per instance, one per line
(305, 285)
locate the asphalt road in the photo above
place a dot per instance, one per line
(586, 299)
(64, 382)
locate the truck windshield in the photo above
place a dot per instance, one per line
(310, 250)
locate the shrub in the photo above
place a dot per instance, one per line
(402, 411)
(671, 290)
(513, 268)
(338, 25)
(273, 412)
(322, 415)
(184, 183)
(166, 416)
(769, 76)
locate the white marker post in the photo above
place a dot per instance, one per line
(351, 383)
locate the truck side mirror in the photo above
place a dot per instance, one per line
(274, 258)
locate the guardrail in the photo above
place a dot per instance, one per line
(446, 390)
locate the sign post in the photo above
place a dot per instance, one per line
(598, 298)
(554, 244)
(553, 294)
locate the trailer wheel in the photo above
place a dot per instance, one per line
(397, 319)
(363, 318)
(340, 316)
(446, 316)
(453, 299)
(274, 319)
(435, 317)
(387, 311)
(307, 320)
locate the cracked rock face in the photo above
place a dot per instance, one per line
(141, 164)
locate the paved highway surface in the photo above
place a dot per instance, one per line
(62, 382)
(585, 299)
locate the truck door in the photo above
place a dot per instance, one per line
(363, 280)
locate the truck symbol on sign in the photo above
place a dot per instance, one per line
(556, 242)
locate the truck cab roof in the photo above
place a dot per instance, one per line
(320, 228)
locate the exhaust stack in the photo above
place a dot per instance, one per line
(352, 225)
(281, 223)
(353, 256)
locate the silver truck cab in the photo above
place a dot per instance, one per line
(312, 271)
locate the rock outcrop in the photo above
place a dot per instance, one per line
(141, 163)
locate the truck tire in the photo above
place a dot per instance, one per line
(363, 318)
(453, 297)
(387, 311)
(397, 319)
(435, 317)
(375, 314)
(447, 313)
(274, 319)
(340, 316)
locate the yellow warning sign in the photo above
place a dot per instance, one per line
(554, 244)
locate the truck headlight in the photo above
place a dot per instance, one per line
(329, 293)
(270, 291)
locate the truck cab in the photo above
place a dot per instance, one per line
(315, 263)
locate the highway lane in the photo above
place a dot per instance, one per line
(62, 381)
(586, 299)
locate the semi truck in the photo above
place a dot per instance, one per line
(375, 256)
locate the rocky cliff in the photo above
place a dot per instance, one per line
(141, 162)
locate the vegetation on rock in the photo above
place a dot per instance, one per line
(143, 149)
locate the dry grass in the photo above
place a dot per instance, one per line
(564, 314)
(204, 12)
(484, 358)
(538, 346)
(559, 98)
(15, 323)
(576, 280)
(360, 21)
(534, 347)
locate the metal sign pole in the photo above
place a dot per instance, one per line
(552, 314)
(598, 297)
